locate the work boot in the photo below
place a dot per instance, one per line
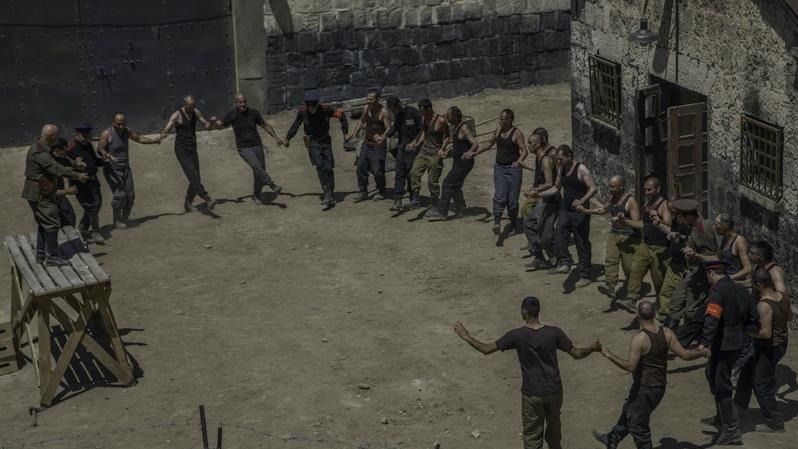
(84, 233)
(562, 269)
(537, 265)
(497, 225)
(604, 438)
(582, 282)
(256, 199)
(764, 428)
(380, 196)
(415, 202)
(397, 205)
(275, 188)
(187, 205)
(210, 203)
(97, 238)
(729, 424)
(626, 304)
(329, 200)
(433, 212)
(608, 289)
(362, 196)
(119, 222)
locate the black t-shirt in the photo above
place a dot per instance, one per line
(245, 127)
(537, 353)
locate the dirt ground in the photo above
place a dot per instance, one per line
(272, 316)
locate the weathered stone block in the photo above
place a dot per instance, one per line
(308, 42)
(563, 21)
(411, 17)
(402, 37)
(439, 70)
(510, 7)
(360, 19)
(429, 53)
(328, 21)
(442, 15)
(345, 19)
(436, 89)
(530, 23)
(405, 56)
(512, 24)
(451, 33)
(548, 21)
(395, 18)
(379, 18)
(425, 16)
(458, 13)
(473, 11)
(420, 36)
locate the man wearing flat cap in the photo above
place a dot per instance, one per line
(89, 194)
(685, 286)
(730, 313)
(314, 117)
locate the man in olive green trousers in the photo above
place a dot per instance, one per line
(623, 240)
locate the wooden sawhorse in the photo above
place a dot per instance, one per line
(75, 296)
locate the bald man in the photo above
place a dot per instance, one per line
(245, 121)
(113, 147)
(184, 120)
(42, 173)
(623, 240)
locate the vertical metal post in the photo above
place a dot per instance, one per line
(204, 426)
(219, 438)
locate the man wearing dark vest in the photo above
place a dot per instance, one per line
(89, 193)
(622, 241)
(733, 249)
(685, 286)
(375, 120)
(461, 142)
(730, 313)
(770, 345)
(578, 187)
(41, 177)
(428, 144)
(648, 363)
(245, 121)
(539, 223)
(654, 253)
(511, 151)
(184, 120)
(407, 123)
(314, 117)
(536, 345)
(113, 147)
(761, 255)
(541, 137)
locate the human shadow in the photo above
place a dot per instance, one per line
(686, 369)
(673, 443)
(569, 284)
(267, 198)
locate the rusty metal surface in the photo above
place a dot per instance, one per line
(82, 60)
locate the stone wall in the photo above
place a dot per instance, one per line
(426, 48)
(740, 54)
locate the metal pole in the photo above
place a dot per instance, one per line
(219, 438)
(204, 427)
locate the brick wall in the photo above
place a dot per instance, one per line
(425, 48)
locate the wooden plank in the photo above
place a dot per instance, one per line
(112, 330)
(38, 269)
(15, 254)
(72, 276)
(59, 278)
(71, 249)
(45, 352)
(81, 249)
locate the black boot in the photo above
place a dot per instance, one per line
(40, 253)
(497, 224)
(459, 203)
(729, 424)
(517, 227)
(51, 249)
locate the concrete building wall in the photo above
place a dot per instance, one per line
(740, 54)
(434, 48)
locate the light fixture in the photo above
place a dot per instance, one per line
(644, 36)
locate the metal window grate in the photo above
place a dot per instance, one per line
(761, 157)
(605, 90)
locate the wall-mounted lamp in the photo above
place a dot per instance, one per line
(644, 36)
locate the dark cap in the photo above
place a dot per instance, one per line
(312, 97)
(720, 265)
(83, 127)
(685, 205)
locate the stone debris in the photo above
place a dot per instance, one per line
(364, 386)
(475, 433)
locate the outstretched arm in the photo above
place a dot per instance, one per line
(138, 138)
(581, 353)
(680, 351)
(635, 349)
(485, 348)
(201, 118)
(487, 145)
(270, 131)
(169, 124)
(587, 178)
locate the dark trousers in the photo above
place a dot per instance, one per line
(321, 156)
(718, 372)
(452, 188)
(539, 229)
(256, 159)
(636, 415)
(120, 181)
(404, 161)
(65, 212)
(48, 221)
(188, 159)
(371, 160)
(578, 224)
(507, 189)
(759, 376)
(90, 199)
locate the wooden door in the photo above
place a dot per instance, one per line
(649, 159)
(688, 153)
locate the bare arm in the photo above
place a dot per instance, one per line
(485, 348)
(270, 131)
(741, 247)
(138, 138)
(488, 144)
(581, 353)
(777, 275)
(201, 118)
(587, 178)
(170, 124)
(359, 125)
(523, 151)
(102, 146)
(595, 210)
(553, 189)
(635, 351)
(548, 179)
(765, 321)
(679, 350)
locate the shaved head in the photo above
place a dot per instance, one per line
(240, 102)
(49, 133)
(646, 310)
(653, 182)
(617, 179)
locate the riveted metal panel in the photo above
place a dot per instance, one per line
(84, 60)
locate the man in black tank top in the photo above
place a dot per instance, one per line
(761, 255)
(733, 248)
(511, 151)
(460, 142)
(428, 144)
(654, 253)
(648, 363)
(578, 187)
(528, 203)
(539, 222)
(184, 120)
(622, 241)
(770, 345)
(376, 121)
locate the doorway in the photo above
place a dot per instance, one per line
(673, 141)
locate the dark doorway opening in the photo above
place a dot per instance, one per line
(673, 143)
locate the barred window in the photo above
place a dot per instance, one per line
(761, 157)
(605, 91)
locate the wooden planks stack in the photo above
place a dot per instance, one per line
(8, 350)
(82, 289)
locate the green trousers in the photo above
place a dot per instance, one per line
(432, 165)
(647, 258)
(684, 293)
(527, 206)
(620, 250)
(541, 420)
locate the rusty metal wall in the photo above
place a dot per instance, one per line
(71, 61)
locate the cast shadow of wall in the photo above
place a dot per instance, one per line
(282, 15)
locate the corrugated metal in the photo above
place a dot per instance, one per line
(91, 58)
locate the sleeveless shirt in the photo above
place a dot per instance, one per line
(652, 235)
(782, 313)
(540, 177)
(118, 148)
(506, 148)
(432, 139)
(727, 255)
(616, 209)
(374, 126)
(573, 188)
(459, 146)
(652, 369)
(186, 132)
